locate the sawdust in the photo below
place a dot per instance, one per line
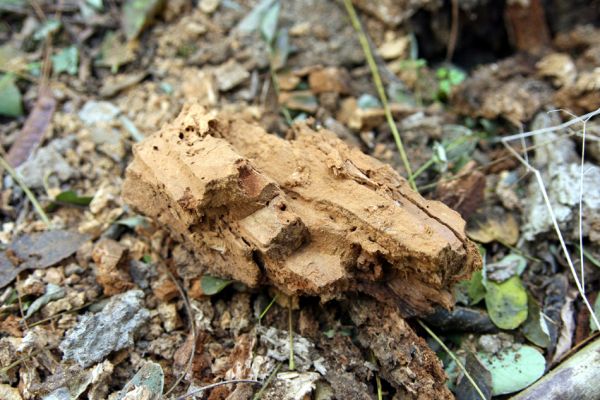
(310, 215)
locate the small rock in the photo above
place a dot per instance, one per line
(108, 140)
(107, 255)
(395, 48)
(98, 111)
(111, 329)
(301, 100)
(329, 80)
(164, 289)
(54, 275)
(230, 74)
(47, 159)
(141, 273)
(293, 386)
(71, 301)
(209, 6)
(300, 29)
(168, 315)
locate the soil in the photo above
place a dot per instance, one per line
(221, 197)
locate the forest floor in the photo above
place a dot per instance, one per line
(100, 301)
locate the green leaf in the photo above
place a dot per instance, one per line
(69, 197)
(282, 49)
(268, 24)
(66, 61)
(137, 14)
(535, 327)
(150, 377)
(213, 285)
(252, 21)
(441, 73)
(456, 76)
(506, 303)
(47, 28)
(593, 326)
(10, 97)
(513, 370)
(476, 290)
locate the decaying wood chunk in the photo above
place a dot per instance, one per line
(309, 215)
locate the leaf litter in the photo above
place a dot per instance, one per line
(186, 53)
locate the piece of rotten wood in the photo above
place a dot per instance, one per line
(405, 360)
(309, 215)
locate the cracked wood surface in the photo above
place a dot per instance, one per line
(310, 215)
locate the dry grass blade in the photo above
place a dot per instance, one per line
(258, 395)
(188, 309)
(538, 176)
(453, 356)
(36, 205)
(364, 42)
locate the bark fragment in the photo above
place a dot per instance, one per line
(309, 215)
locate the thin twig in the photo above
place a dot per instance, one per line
(362, 38)
(453, 356)
(20, 301)
(581, 173)
(4, 370)
(453, 37)
(188, 309)
(214, 385)
(550, 129)
(36, 205)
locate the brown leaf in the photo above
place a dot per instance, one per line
(493, 224)
(38, 250)
(33, 131)
(464, 194)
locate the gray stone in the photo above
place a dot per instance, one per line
(46, 160)
(111, 329)
(98, 111)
